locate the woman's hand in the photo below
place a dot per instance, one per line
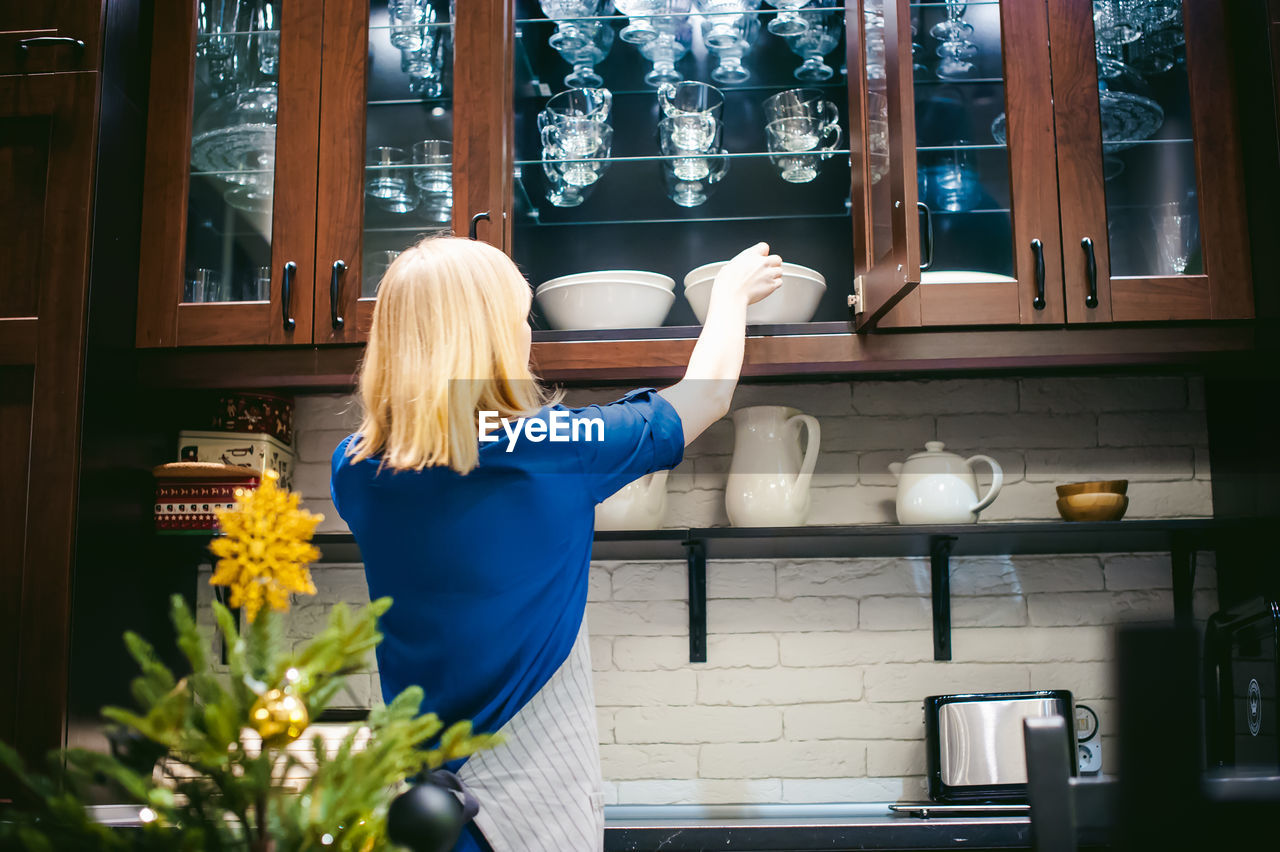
(702, 397)
(752, 275)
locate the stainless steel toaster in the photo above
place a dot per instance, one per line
(975, 742)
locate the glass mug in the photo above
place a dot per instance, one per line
(684, 135)
(691, 98)
(578, 163)
(577, 103)
(801, 103)
(691, 193)
(797, 145)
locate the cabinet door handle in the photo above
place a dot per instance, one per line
(24, 46)
(286, 295)
(335, 280)
(1037, 248)
(926, 255)
(1090, 272)
(475, 222)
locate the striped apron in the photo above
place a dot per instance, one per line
(541, 789)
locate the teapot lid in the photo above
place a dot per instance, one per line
(931, 448)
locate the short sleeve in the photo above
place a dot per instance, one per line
(639, 434)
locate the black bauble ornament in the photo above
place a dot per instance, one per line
(425, 818)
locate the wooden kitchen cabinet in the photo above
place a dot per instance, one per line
(42, 36)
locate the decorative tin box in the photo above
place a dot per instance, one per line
(258, 452)
(254, 413)
(187, 494)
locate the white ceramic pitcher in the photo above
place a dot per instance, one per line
(937, 487)
(768, 484)
(638, 505)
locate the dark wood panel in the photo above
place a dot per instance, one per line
(293, 219)
(18, 340)
(70, 101)
(228, 323)
(165, 187)
(1080, 177)
(1024, 30)
(340, 192)
(77, 19)
(483, 133)
(921, 352)
(1224, 225)
(15, 448)
(969, 304)
(24, 172)
(1181, 297)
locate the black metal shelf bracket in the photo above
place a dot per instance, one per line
(940, 547)
(696, 558)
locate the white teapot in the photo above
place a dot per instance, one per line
(937, 487)
(638, 505)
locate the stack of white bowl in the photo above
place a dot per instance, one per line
(795, 301)
(613, 298)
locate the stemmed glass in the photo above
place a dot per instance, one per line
(569, 35)
(820, 37)
(640, 29)
(787, 22)
(722, 20)
(955, 51)
(672, 43)
(730, 69)
(584, 59)
(216, 21)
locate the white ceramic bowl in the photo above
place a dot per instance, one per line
(611, 275)
(964, 276)
(609, 302)
(795, 301)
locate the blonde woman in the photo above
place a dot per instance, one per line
(481, 531)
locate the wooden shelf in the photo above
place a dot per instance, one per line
(1181, 538)
(1185, 346)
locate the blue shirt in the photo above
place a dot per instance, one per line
(488, 571)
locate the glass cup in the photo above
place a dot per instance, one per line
(691, 98)
(569, 34)
(640, 30)
(692, 193)
(723, 20)
(262, 284)
(206, 286)
(1177, 234)
(387, 182)
(579, 148)
(797, 146)
(433, 165)
(561, 193)
(675, 35)
(407, 19)
(820, 37)
(745, 30)
(577, 103)
(806, 103)
(788, 22)
(684, 135)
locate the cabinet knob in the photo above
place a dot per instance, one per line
(286, 295)
(1090, 272)
(335, 293)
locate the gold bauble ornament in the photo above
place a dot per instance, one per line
(279, 718)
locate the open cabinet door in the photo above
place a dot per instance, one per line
(884, 157)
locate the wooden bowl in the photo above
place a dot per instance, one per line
(1110, 486)
(1096, 506)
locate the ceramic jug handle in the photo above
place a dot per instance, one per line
(810, 451)
(997, 479)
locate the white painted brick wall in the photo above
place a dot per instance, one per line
(816, 668)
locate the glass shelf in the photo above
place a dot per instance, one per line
(765, 14)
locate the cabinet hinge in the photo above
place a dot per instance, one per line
(857, 302)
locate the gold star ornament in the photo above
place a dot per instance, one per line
(265, 547)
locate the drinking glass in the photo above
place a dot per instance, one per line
(691, 193)
(584, 59)
(639, 31)
(577, 103)
(819, 39)
(216, 22)
(955, 52)
(561, 193)
(387, 183)
(262, 284)
(569, 35)
(579, 147)
(797, 145)
(954, 184)
(729, 68)
(691, 98)
(722, 21)
(407, 18)
(425, 63)
(206, 286)
(1177, 232)
(805, 103)
(433, 166)
(787, 22)
(685, 135)
(664, 52)
(265, 26)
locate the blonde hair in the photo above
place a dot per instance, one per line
(445, 344)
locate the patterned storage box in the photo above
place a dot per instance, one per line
(258, 413)
(257, 453)
(187, 494)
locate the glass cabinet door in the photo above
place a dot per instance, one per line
(229, 210)
(386, 159)
(657, 137)
(1153, 222)
(984, 156)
